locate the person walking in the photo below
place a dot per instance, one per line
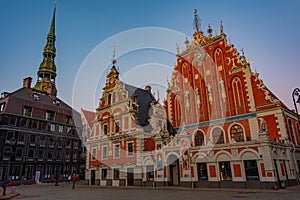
(74, 179)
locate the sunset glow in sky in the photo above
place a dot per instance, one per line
(267, 30)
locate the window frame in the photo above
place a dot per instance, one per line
(115, 150)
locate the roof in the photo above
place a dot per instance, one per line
(89, 116)
(15, 101)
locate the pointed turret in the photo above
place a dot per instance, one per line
(47, 70)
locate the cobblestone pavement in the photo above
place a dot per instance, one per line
(65, 191)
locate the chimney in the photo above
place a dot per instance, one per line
(27, 82)
(148, 88)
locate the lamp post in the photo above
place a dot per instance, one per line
(296, 93)
(12, 142)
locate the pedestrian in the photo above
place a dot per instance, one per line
(74, 179)
(69, 178)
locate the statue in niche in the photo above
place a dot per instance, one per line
(262, 125)
(187, 99)
(223, 93)
(210, 99)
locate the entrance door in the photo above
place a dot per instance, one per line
(93, 174)
(130, 176)
(173, 170)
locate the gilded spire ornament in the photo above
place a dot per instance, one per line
(47, 70)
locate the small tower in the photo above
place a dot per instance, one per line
(47, 70)
(113, 75)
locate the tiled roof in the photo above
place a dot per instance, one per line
(89, 116)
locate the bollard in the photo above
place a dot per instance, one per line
(13, 190)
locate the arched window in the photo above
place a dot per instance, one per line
(199, 138)
(237, 133)
(218, 136)
(238, 97)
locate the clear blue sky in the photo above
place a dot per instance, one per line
(268, 30)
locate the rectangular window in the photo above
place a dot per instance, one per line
(2, 107)
(202, 171)
(117, 151)
(27, 111)
(60, 128)
(94, 151)
(130, 149)
(105, 129)
(225, 171)
(52, 127)
(32, 138)
(104, 152)
(50, 115)
(149, 172)
(117, 126)
(104, 174)
(34, 124)
(251, 170)
(69, 119)
(116, 173)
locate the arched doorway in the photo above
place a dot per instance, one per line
(173, 170)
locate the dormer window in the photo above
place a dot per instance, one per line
(56, 102)
(2, 107)
(35, 96)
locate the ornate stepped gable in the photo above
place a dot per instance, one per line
(213, 79)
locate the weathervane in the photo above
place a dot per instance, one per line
(197, 23)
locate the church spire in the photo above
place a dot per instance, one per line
(47, 70)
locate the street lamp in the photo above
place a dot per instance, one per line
(296, 93)
(12, 142)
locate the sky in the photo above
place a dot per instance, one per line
(145, 34)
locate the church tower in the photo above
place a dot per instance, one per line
(47, 70)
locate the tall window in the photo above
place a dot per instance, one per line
(27, 111)
(291, 131)
(251, 170)
(105, 129)
(217, 136)
(130, 149)
(116, 173)
(104, 152)
(69, 119)
(199, 138)
(225, 171)
(94, 151)
(116, 151)
(149, 172)
(117, 126)
(238, 96)
(104, 174)
(202, 171)
(177, 111)
(237, 133)
(50, 115)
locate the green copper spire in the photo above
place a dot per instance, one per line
(52, 27)
(47, 70)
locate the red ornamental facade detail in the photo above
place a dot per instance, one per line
(222, 126)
